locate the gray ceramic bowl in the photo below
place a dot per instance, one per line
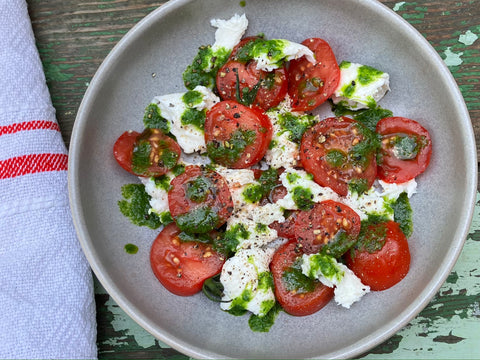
(149, 61)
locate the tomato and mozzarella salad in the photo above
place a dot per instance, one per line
(262, 204)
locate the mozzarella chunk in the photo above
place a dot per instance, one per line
(360, 86)
(293, 180)
(283, 153)
(229, 32)
(379, 198)
(247, 282)
(284, 50)
(158, 193)
(348, 287)
(173, 107)
(287, 129)
(253, 218)
(237, 180)
(393, 191)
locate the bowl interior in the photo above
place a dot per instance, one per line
(149, 61)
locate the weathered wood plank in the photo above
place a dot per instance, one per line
(73, 38)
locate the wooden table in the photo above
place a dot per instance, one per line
(74, 36)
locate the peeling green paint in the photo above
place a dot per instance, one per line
(452, 278)
(57, 72)
(398, 6)
(450, 318)
(126, 325)
(415, 16)
(451, 58)
(422, 9)
(468, 38)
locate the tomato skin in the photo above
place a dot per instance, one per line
(218, 199)
(294, 303)
(395, 170)
(305, 93)
(182, 267)
(318, 226)
(123, 149)
(227, 118)
(272, 89)
(336, 134)
(287, 228)
(383, 268)
(125, 146)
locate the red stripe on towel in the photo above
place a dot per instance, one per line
(30, 164)
(29, 125)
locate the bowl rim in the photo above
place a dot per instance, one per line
(131, 310)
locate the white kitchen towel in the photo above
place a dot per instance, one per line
(46, 291)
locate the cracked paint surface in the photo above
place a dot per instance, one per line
(450, 318)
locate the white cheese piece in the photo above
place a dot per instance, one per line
(348, 287)
(159, 196)
(255, 219)
(240, 278)
(284, 153)
(251, 215)
(292, 179)
(393, 191)
(229, 32)
(378, 199)
(370, 202)
(237, 180)
(172, 107)
(360, 86)
(286, 50)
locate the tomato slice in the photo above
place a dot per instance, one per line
(257, 87)
(406, 149)
(286, 229)
(199, 200)
(381, 269)
(309, 85)
(182, 267)
(328, 223)
(151, 153)
(123, 149)
(307, 299)
(340, 152)
(236, 136)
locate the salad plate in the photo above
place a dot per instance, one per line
(149, 61)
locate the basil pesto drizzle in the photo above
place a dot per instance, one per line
(200, 220)
(204, 67)
(131, 249)
(199, 188)
(297, 125)
(141, 157)
(267, 181)
(227, 152)
(228, 242)
(403, 214)
(272, 49)
(153, 119)
(136, 206)
(294, 280)
(264, 323)
(191, 115)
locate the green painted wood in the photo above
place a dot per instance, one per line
(74, 36)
